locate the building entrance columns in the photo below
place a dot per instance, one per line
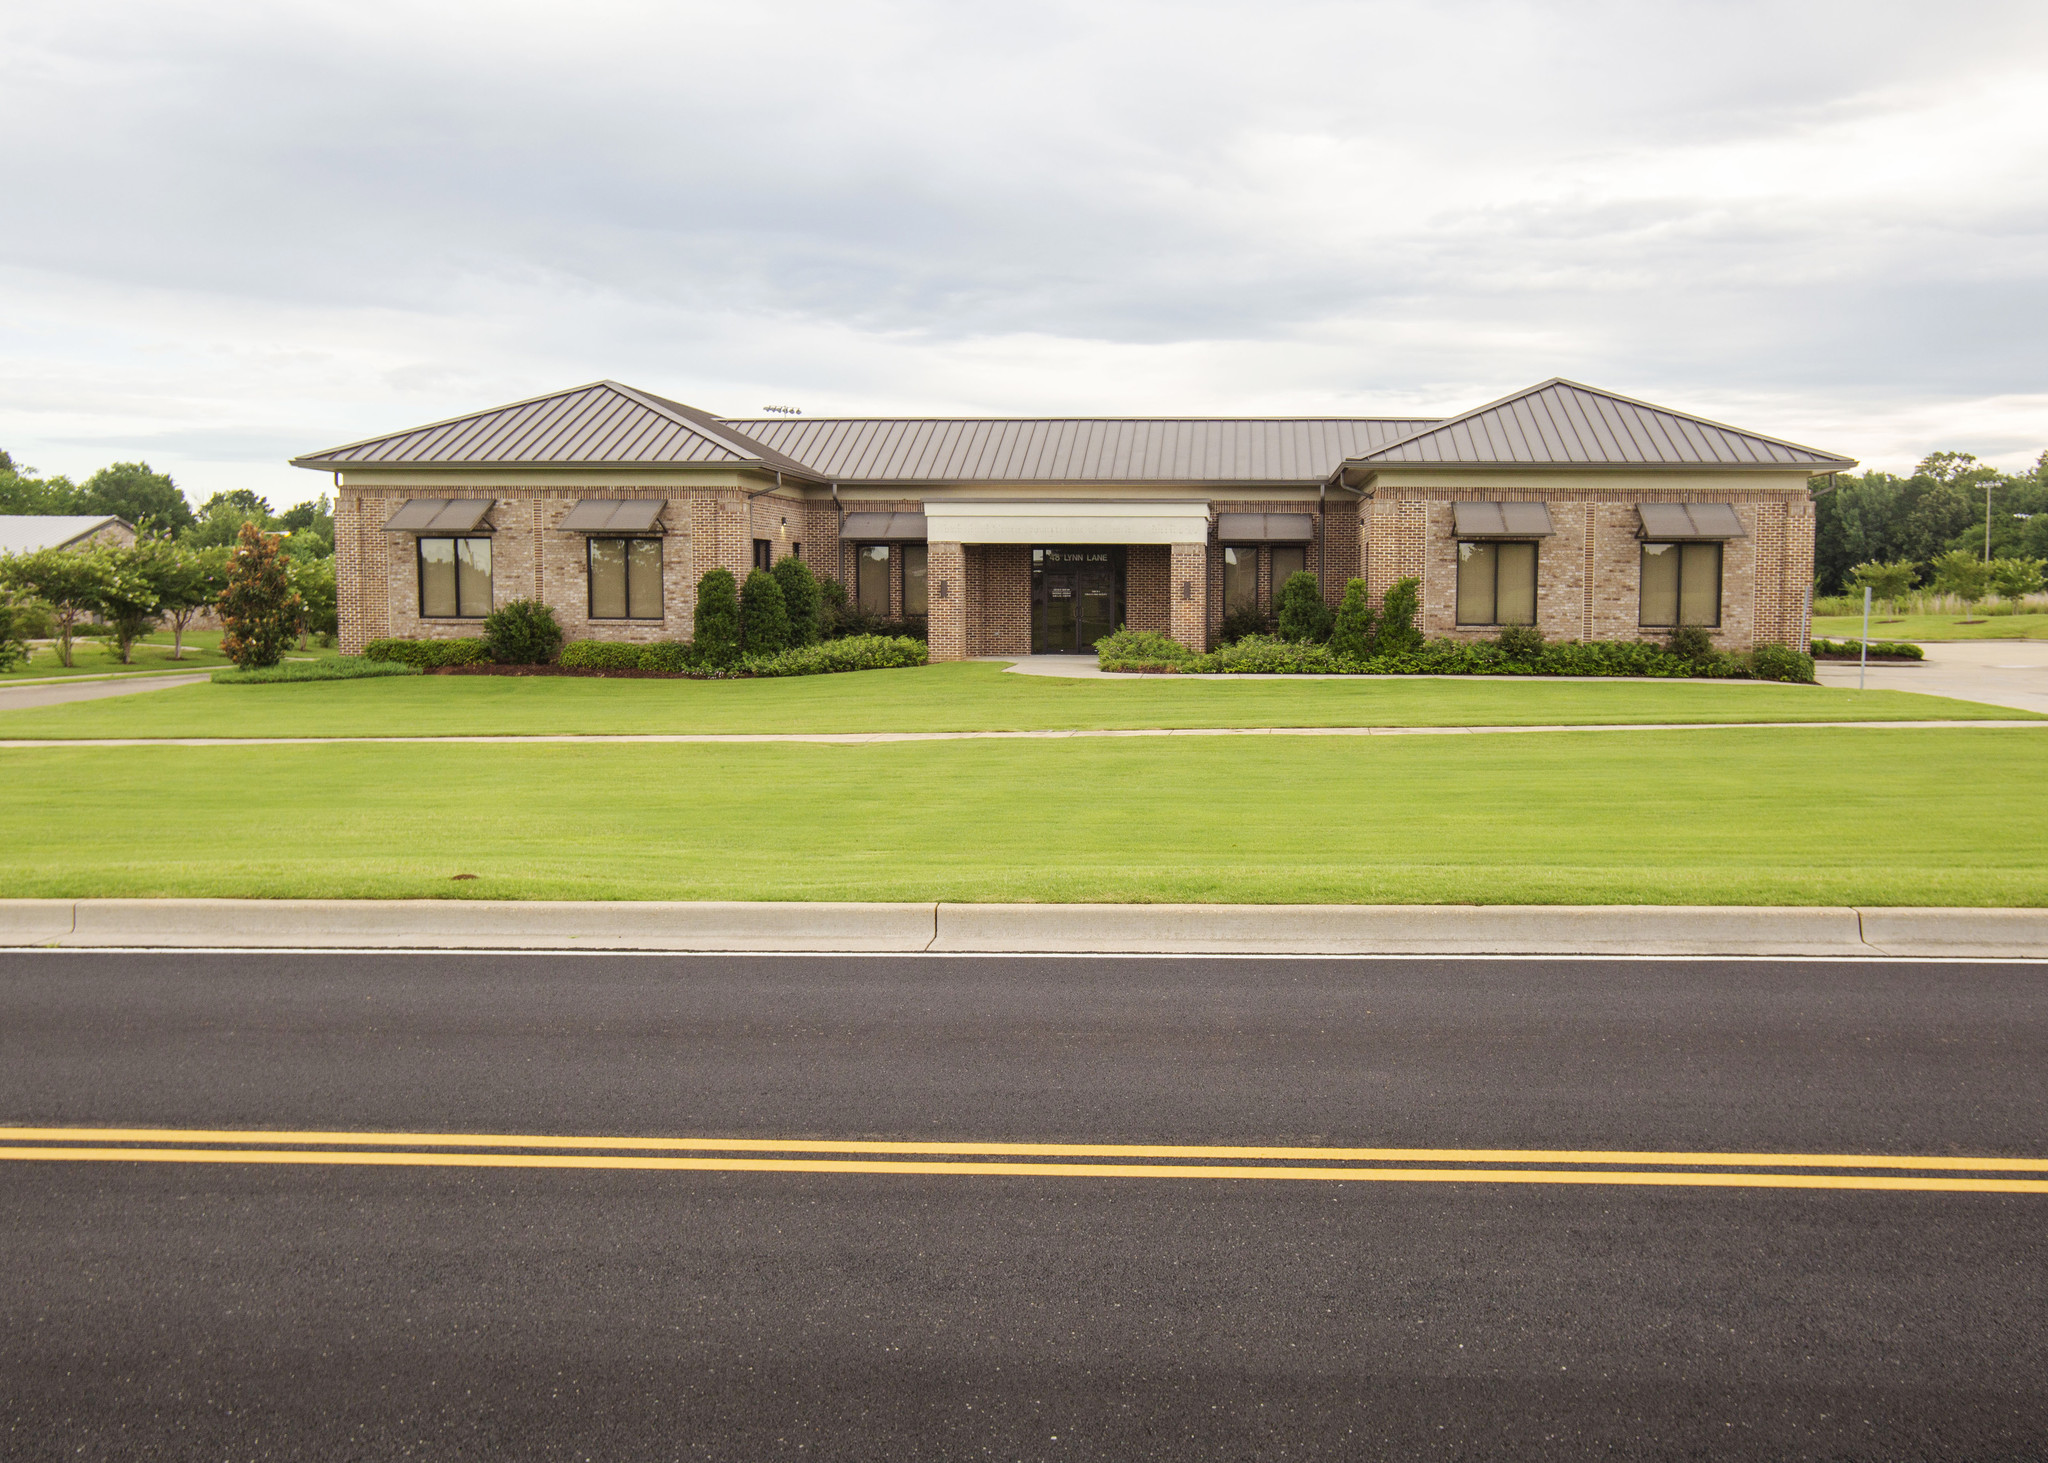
(1187, 588)
(946, 602)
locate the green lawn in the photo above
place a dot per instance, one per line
(1934, 627)
(959, 697)
(1870, 815)
(92, 656)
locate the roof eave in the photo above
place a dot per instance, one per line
(318, 464)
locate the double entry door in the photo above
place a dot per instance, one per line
(1077, 597)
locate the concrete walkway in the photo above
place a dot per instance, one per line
(858, 739)
(1997, 672)
(1129, 929)
(57, 693)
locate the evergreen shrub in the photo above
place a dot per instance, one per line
(716, 630)
(1397, 633)
(1352, 636)
(853, 653)
(764, 618)
(1242, 621)
(802, 600)
(1690, 642)
(1301, 613)
(522, 632)
(1780, 663)
(1520, 642)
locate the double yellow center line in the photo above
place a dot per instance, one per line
(1029, 1160)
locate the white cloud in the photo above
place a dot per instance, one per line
(244, 231)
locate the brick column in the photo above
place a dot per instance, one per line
(1187, 588)
(946, 601)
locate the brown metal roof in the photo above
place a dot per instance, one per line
(603, 422)
(1563, 424)
(1076, 449)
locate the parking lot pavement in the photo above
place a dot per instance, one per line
(1997, 672)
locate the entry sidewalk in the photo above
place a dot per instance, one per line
(996, 929)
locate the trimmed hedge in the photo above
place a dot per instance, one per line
(853, 653)
(1265, 655)
(347, 668)
(426, 654)
(1853, 649)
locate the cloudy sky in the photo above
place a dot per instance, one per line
(242, 231)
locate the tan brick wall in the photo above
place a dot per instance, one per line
(998, 613)
(1146, 571)
(1589, 569)
(1190, 609)
(951, 597)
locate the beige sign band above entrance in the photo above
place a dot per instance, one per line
(981, 522)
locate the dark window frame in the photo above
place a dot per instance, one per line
(419, 554)
(660, 576)
(1535, 584)
(764, 553)
(1678, 597)
(890, 576)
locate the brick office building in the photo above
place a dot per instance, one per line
(1590, 515)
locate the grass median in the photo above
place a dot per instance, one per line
(1934, 627)
(1800, 816)
(972, 696)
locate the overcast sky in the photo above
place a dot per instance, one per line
(237, 232)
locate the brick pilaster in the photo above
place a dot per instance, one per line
(1187, 584)
(946, 618)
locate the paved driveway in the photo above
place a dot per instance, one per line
(22, 698)
(1999, 672)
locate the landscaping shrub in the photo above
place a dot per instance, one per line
(1265, 655)
(801, 600)
(668, 655)
(1246, 620)
(523, 632)
(1780, 663)
(716, 632)
(1351, 637)
(1520, 642)
(259, 612)
(1300, 610)
(854, 653)
(426, 654)
(1851, 649)
(603, 655)
(764, 618)
(1690, 642)
(344, 668)
(1141, 650)
(1397, 633)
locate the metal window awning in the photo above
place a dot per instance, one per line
(1503, 520)
(878, 528)
(1680, 522)
(439, 515)
(613, 515)
(1265, 528)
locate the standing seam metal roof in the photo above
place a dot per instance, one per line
(1561, 423)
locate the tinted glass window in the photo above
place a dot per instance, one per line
(1240, 578)
(871, 578)
(915, 578)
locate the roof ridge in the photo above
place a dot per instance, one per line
(1434, 421)
(462, 416)
(711, 426)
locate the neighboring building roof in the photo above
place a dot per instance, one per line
(1077, 449)
(1560, 423)
(603, 422)
(26, 533)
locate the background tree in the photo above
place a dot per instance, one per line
(186, 581)
(2015, 579)
(127, 595)
(313, 582)
(149, 500)
(715, 631)
(21, 491)
(309, 523)
(801, 599)
(1962, 574)
(222, 516)
(1352, 635)
(764, 618)
(1886, 582)
(258, 607)
(13, 627)
(68, 582)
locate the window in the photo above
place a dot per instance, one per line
(764, 553)
(1681, 584)
(455, 578)
(1288, 561)
(1240, 578)
(1496, 583)
(916, 578)
(625, 579)
(871, 578)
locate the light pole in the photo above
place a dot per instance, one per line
(1987, 518)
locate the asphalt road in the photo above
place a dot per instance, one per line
(327, 1311)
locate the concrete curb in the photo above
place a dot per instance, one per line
(1075, 929)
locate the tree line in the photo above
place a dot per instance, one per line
(178, 568)
(1916, 527)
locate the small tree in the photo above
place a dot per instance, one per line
(1398, 634)
(67, 581)
(313, 582)
(716, 631)
(13, 642)
(764, 618)
(186, 580)
(2015, 579)
(1963, 575)
(1887, 582)
(258, 608)
(1300, 609)
(127, 597)
(1352, 636)
(523, 632)
(802, 599)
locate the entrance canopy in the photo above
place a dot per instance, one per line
(1098, 522)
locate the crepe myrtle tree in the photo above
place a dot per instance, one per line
(186, 581)
(258, 610)
(2015, 579)
(1964, 575)
(1888, 582)
(67, 581)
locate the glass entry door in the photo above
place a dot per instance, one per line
(1077, 597)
